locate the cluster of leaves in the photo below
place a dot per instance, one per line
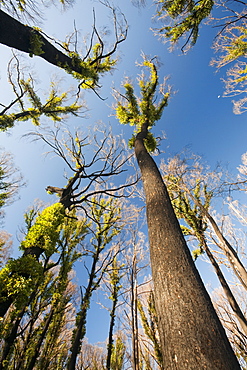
(150, 326)
(45, 231)
(143, 112)
(19, 277)
(118, 353)
(90, 68)
(53, 108)
(188, 210)
(231, 46)
(4, 188)
(185, 16)
(36, 44)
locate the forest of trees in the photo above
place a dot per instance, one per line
(128, 225)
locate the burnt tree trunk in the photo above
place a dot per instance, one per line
(15, 34)
(191, 333)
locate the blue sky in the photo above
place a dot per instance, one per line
(196, 115)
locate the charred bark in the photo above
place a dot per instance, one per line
(191, 333)
(15, 34)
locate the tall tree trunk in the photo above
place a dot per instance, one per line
(191, 333)
(110, 345)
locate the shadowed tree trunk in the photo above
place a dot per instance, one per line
(191, 334)
(16, 35)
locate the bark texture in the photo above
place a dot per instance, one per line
(191, 333)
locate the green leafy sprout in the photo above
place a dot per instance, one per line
(143, 112)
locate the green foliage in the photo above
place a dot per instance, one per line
(197, 252)
(88, 71)
(44, 233)
(232, 45)
(106, 215)
(35, 44)
(150, 326)
(54, 107)
(142, 112)
(4, 188)
(118, 353)
(188, 210)
(18, 277)
(115, 278)
(185, 16)
(237, 46)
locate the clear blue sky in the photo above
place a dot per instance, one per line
(196, 115)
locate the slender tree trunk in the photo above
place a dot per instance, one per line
(80, 329)
(40, 341)
(134, 319)
(228, 293)
(112, 324)
(191, 333)
(9, 340)
(225, 246)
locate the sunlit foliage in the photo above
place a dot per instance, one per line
(143, 112)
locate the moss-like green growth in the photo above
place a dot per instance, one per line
(89, 70)
(18, 276)
(45, 231)
(35, 44)
(143, 112)
(185, 16)
(54, 107)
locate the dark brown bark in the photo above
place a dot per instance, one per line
(191, 334)
(110, 345)
(16, 35)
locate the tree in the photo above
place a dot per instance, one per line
(192, 188)
(150, 326)
(196, 190)
(34, 42)
(114, 281)
(234, 332)
(182, 20)
(190, 332)
(196, 226)
(10, 180)
(27, 104)
(231, 47)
